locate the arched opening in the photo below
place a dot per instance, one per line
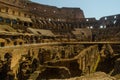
(105, 18)
(30, 24)
(115, 17)
(101, 26)
(1, 19)
(91, 27)
(74, 69)
(7, 56)
(25, 24)
(2, 44)
(20, 22)
(14, 21)
(15, 43)
(87, 19)
(8, 21)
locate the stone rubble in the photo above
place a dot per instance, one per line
(94, 76)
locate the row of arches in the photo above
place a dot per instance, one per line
(14, 22)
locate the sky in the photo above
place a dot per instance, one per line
(91, 8)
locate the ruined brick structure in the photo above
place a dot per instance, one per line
(37, 40)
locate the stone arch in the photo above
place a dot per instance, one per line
(7, 56)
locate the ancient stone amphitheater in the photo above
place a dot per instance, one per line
(42, 42)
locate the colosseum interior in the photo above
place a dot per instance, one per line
(42, 42)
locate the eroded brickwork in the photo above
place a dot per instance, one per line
(37, 39)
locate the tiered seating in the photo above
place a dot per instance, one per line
(108, 34)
